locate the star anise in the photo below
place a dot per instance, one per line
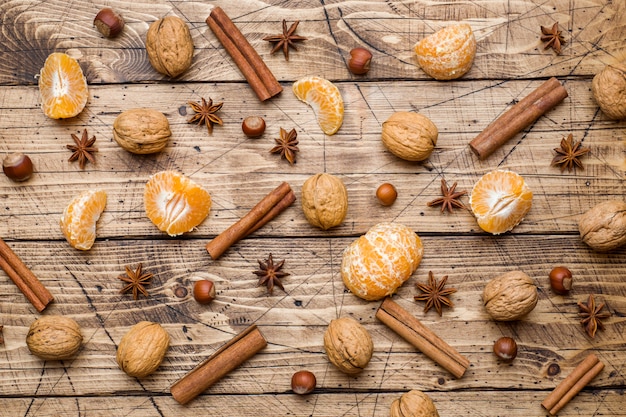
(434, 294)
(553, 38)
(83, 149)
(287, 145)
(285, 39)
(137, 281)
(205, 113)
(270, 274)
(591, 315)
(450, 199)
(567, 156)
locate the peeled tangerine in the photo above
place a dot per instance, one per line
(325, 99)
(78, 222)
(448, 53)
(379, 262)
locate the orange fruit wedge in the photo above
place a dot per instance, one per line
(174, 203)
(448, 53)
(325, 99)
(62, 86)
(500, 200)
(78, 222)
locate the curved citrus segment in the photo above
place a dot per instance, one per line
(78, 222)
(448, 53)
(325, 99)
(500, 200)
(62, 86)
(174, 203)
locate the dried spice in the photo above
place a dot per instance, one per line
(591, 315)
(83, 149)
(285, 39)
(287, 145)
(137, 281)
(205, 113)
(569, 154)
(450, 198)
(270, 274)
(434, 293)
(553, 38)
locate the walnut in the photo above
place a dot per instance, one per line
(609, 91)
(324, 200)
(142, 131)
(603, 227)
(142, 349)
(510, 296)
(413, 404)
(54, 337)
(410, 136)
(169, 46)
(348, 345)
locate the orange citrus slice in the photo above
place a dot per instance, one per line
(448, 53)
(500, 200)
(62, 86)
(325, 99)
(174, 203)
(78, 222)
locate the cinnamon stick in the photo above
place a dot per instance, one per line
(26, 281)
(269, 207)
(424, 339)
(573, 384)
(245, 56)
(238, 350)
(518, 117)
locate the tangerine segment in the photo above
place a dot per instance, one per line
(377, 263)
(325, 99)
(62, 86)
(448, 53)
(174, 203)
(78, 222)
(500, 200)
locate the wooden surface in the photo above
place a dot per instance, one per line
(238, 172)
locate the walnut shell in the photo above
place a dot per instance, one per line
(609, 91)
(348, 345)
(142, 131)
(510, 296)
(413, 404)
(324, 201)
(54, 337)
(142, 349)
(410, 136)
(603, 227)
(169, 46)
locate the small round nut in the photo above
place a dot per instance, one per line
(142, 131)
(505, 348)
(169, 46)
(386, 194)
(109, 22)
(413, 404)
(253, 126)
(348, 345)
(204, 291)
(303, 382)
(17, 166)
(510, 296)
(561, 280)
(142, 349)
(54, 337)
(410, 136)
(603, 227)
(360, 60)
(324, 200)
(609, 91)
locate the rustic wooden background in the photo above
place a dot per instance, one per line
(238, 172)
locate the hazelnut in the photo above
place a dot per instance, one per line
(17, 166)
(505, 348)
(204, 291)
(386, 194)
(303, 382)
(253, 126)
(109, 22)
(360, 59)
(561, 280)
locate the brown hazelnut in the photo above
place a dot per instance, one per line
(17, 166)
(561, 280)
(109, 22)
(253, 126)
(204, 291)
(386, 194)
(505, 348)
(303, 382)
(360, 59)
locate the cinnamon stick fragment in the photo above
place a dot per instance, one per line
(238, 350)
(245, 56)
(26, 281)
(424, 339)
(517, 118)
(582, 375)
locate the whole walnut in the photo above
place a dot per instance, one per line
(142, 349)
(142, 131)
(414, 404)
(54, 337)
(348, 345)
(169, 46)
(603, 227)
(410, 136)
(324, 200)
(510, 296)
(609, 91)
